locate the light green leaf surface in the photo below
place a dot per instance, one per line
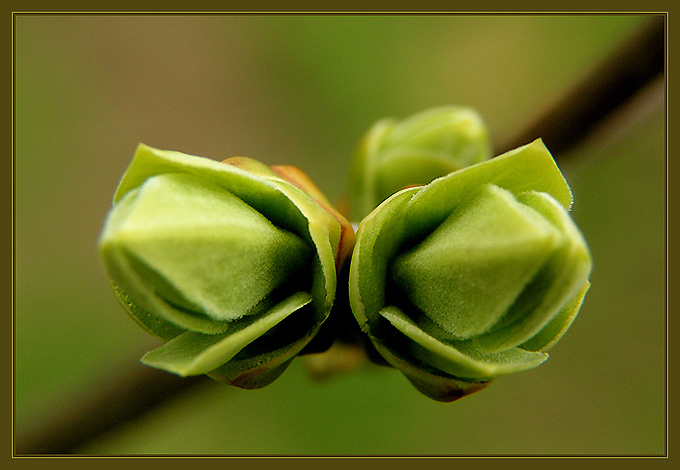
(562, 277)
(279, 201)
(255, 367)
(527, 168)
(133, 289)
(401, 168)
(153, 324)
(378, 239)
(553, 331)
(466, 274)
(205, 247)
(363, 192)
(398, 154)
(456, 130)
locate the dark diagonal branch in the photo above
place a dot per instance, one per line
(117, 399)
(580, 109)
(139, 389)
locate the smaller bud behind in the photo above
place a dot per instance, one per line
(394, 155)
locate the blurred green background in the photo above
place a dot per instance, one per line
(302, 90)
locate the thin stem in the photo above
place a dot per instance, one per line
(580, 109)
(117, 399)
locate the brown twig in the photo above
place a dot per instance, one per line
(137, 389)
(128, 395)
(621, 75)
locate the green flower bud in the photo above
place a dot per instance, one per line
(472, 276)
(395, 155)
(232, 264)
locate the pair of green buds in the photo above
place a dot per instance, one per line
(472, 271)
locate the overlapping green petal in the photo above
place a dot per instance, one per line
(193, 353)
(397, 154)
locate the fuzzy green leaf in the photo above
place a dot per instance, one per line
(378, 239)
(237, 257)
(555, 329)
(432, 383)
(193, 353)
(398, 154)
(462, 359)
(527, 168)
(279, 201)
(560, 279)
(468, 272)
